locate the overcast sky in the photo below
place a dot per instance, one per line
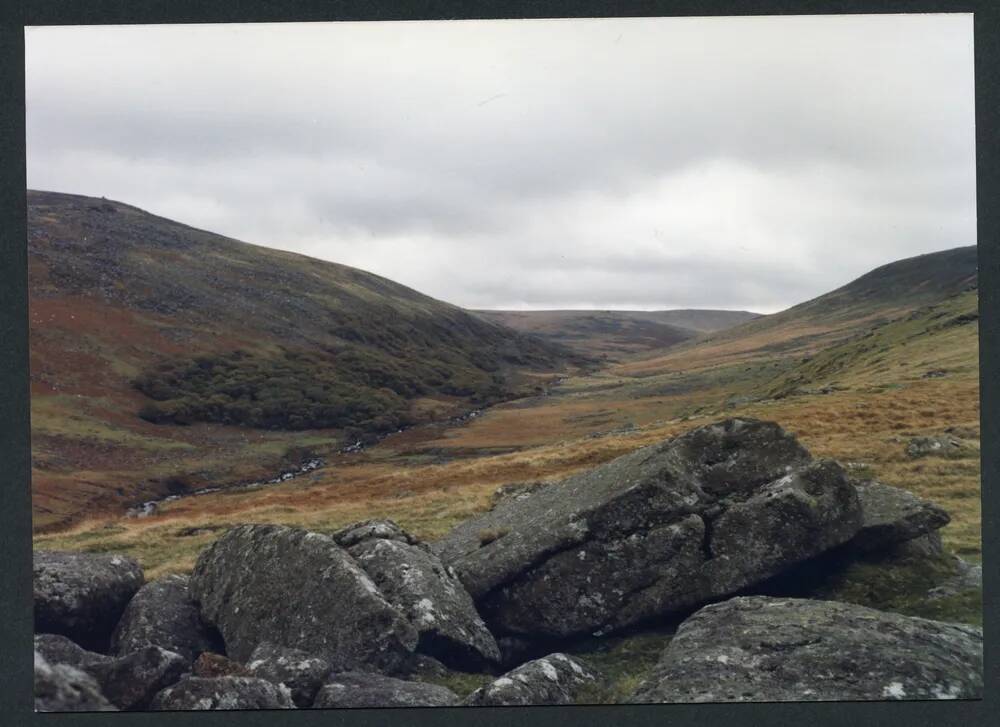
(740, 163)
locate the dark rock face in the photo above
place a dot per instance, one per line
(553, 679)
(82, 595)
(132, 681)
(359, 689)
(772, 649)
(63, 688)
(198, 693)
(656, 531)
(383, 529)
(892, 515)
(163, 614)
(432, 598)
(301, 590)
(301, 673)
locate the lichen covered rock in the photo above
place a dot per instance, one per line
(773, 649)
(359, 690)
(223, 693)
(553, 679)
(63, 688)
(298, 589)
(163, 614)
(82, 595)
(434, 600)
(657, 531)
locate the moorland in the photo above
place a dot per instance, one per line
(166, 360)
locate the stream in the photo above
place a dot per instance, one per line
(151, 507)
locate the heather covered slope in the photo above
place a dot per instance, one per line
(618, 334)
(136, 314)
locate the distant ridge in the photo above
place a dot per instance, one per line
(615, 334)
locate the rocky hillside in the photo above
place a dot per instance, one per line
(142, 327)
(616, 334)
(724, 540)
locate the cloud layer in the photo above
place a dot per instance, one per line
(743, 163)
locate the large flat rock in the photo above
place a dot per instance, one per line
(657, 531)
(298, 589)
(774, 649)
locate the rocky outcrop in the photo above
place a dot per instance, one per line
(163, 614)
(657, 531)
(82, 595)
(433, 599)
(301, 673)
(300, 590)
(63, 688)
(891, 516)
(358, 690)
(199, 693)
(772, 649)
(554, 679)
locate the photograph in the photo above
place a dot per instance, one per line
(504, 362)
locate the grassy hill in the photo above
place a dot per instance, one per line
(615, 335)
(159, 352)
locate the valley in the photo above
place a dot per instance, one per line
(856, 375)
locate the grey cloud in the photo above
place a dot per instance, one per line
(736, 163)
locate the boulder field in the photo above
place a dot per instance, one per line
(279, 617)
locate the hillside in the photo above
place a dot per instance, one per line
(158, 352)
(617, 334)
(882, 295)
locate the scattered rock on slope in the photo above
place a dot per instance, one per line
(82, 595)
(659, 530)
(198, 693)
(773, 649)
(416, 582)
(553, 679)
(358, 690)
(936, 445)
(301, 590)
(163, 614)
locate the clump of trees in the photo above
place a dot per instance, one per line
(293, 389)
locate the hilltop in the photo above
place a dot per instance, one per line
(615, 335)
(160, 351)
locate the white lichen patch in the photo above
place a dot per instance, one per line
(894, 690)
(549, 671)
